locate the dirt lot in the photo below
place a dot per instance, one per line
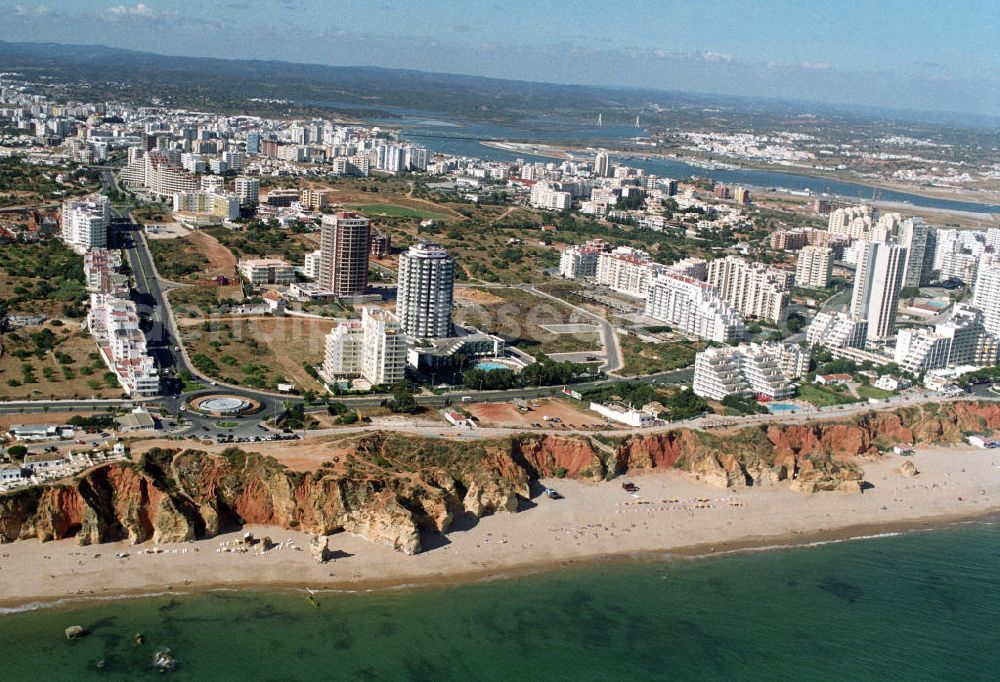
(197, 258)
(477, 296)
(7, 420)
(166, 231)
(308, 454)
(80, 373)
(258, 352)
(221, 261)
(506, 414)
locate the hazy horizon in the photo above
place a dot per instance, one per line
(852, 54)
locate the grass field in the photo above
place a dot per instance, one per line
(649, 358)
(257, 352)
(53, 362)
(519, 316)
(823, 396)
(872, 392)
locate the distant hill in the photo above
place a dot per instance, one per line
(226, 82)
(98, 72)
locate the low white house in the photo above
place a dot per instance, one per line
(456, 419)
(624, 414)
(887, 382)
(828, 379)
(10, 473)
(44, 461)
(40, 431)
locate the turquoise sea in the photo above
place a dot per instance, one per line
(917, 606)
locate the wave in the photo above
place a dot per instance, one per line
(83, 599)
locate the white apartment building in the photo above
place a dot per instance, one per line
(311, 266)
(693, 307)
(260, 271)
(374, 349)
(814, 267)
(342, 356)
(215, 184)
(747, 370)
(114, 323)
(753, 289)
(602, 164)
(85, 222)
(163, 179)
(234, 160)
(193, 163)
(992, 239)
(854, 221)
(101, 272)
(547, 195)
(248, 191)
(201, 207)
(383, 353)
(580, 261)
(626, 270)
(959, 340)
(986, 294)
(836, 330)
(961, 266)
(695, 268)
(877, 281)
(959, 244)
(425, 291)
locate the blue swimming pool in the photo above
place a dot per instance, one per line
(490, 366)
(782, 407)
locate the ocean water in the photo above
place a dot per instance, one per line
(917, 606)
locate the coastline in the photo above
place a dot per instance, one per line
(696, 552)
(598, 525)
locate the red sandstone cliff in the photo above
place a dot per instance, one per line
(392, 487)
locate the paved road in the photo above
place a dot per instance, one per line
(613, 360)
(838, 302)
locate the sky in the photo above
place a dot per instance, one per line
(912, 54)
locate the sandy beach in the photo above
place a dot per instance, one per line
(672, 514)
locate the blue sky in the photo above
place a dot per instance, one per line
(910, 54)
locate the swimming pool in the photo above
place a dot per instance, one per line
(490, 366)
(783, 407)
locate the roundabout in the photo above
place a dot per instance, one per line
(224, 405)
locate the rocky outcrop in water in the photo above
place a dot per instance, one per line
(391, 487)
